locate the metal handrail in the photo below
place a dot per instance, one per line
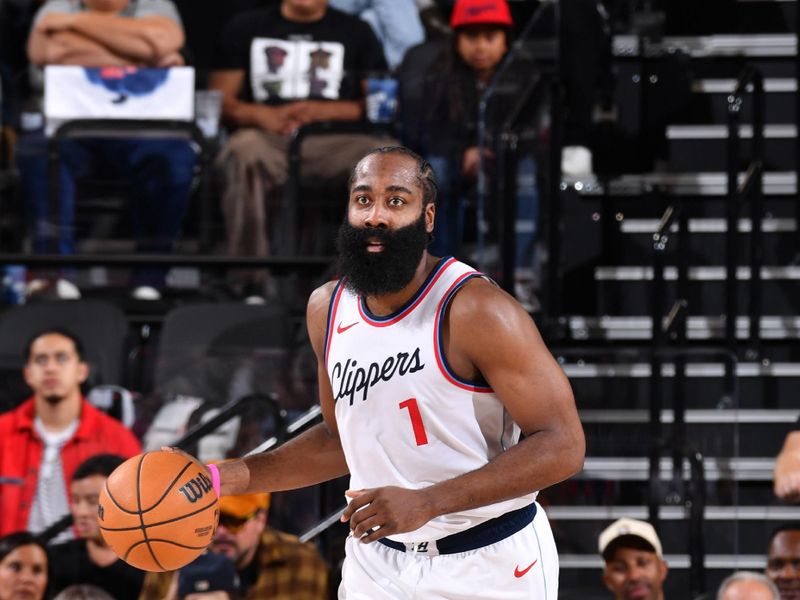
(752, 187)
(694, 494)
(232, 409)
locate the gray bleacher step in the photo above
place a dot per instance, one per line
(704, 273)
(753, 45)
(641, 370)
(698, 327)
(720, 132)
(776, 183)
(710, 225)
(638, 469)
(772, 85)
(728, 562)
(675, 513)
(717, 417)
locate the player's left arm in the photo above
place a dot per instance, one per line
(490, 331)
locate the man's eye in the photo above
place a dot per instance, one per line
(396, 201)
(362, 200)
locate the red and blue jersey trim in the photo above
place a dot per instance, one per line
(412, 303)
(333, 306)
(438, 346)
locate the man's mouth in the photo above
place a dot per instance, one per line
(374, 246)
(638, 591)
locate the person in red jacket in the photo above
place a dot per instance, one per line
(44, 440)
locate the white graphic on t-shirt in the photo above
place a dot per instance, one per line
(295, 69)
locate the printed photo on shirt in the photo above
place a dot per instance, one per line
(290, 70)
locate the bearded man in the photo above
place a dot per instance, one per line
(44, 440)
(428, 372)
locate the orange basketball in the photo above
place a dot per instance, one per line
(158, 511)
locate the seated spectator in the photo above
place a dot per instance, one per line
(44, 440)
(110, 33)
(84, 592)
(634, 560)
(787, 469)
(283, 67)
(89, 559)
(783, 560)
(271, 564)
(447, 132)
(23, 567)
(745, 585)
(396, 23)
(210, 576)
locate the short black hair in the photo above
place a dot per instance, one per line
(16, 540)
(793, 526)
(425, 173)
(99, 464)
(76, 341)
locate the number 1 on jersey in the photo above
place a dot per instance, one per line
(416, 420)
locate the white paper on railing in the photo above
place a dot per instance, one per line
(117, 93)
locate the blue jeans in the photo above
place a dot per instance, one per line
(161, 172)
(448, 230)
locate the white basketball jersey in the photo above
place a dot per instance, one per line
(404, 417)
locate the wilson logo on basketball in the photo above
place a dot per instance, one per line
(100, 512)
(196, 488)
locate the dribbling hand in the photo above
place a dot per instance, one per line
(383, 511)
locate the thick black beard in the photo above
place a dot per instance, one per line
(386, 272)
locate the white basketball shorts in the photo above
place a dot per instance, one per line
(523, 566)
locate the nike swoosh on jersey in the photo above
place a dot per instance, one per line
(340, 329)
(520, 573)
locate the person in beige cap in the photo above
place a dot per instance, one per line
(634, 561)
(271, 563)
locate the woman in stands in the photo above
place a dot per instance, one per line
(23, 567)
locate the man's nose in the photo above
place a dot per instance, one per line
(376, 216)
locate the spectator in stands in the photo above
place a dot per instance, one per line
(634, 560)
(23, 567)
(210, 576)
(283, 67)
(783, 560)
(44, 440)
(271, 564)
(447, 133)
(89, 559)
(396, 23)
(84, 592)
(746, 585)
(110, 33)
(787, 469)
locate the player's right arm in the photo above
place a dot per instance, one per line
(312, 457)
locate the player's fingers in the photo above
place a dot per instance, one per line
(355, 504)
(361, 515)
(366, 526)
(375, 535)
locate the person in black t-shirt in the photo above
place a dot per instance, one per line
(88, 559)
(283, 67)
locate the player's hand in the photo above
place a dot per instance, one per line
(787, 481)
(379, 512)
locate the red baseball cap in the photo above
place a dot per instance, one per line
(481, 12)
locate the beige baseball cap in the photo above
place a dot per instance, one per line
(629, 533)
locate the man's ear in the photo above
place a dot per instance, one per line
(83, 371)
(430, 216)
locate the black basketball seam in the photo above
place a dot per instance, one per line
(169, 487)
(186, 516)
(141, 516)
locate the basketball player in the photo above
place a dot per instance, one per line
(427, 373)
